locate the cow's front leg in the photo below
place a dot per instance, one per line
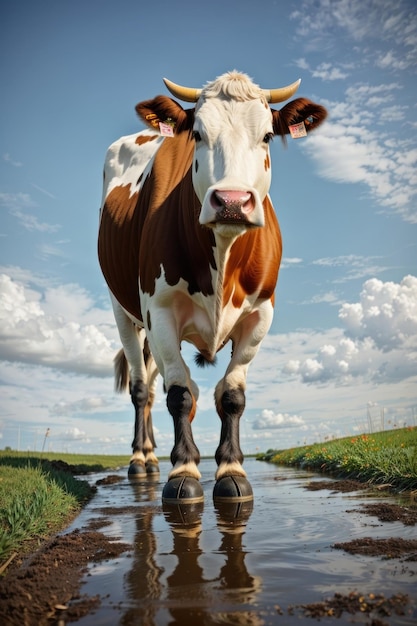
(185, 455)
(229, 456)
(232, 483)
(183, 482)
(182, 394)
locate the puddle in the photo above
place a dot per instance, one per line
(247, 564)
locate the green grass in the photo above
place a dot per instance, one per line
(37, 499)
(388, 457)
(83, 462)
(32, 506)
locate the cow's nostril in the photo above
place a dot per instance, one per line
(241, 201)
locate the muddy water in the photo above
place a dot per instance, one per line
(201, 566)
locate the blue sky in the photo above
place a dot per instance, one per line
(343, 345)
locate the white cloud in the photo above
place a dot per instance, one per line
(321, 22)
(329, 297)
(366, 135)
(46, 251)
(16, 201)
(355, 266)
(268, 419)
(385, 320)
(35, 397)
(18, 205)
(31, 222)
(290, 262)
(39, 327)
(366, 93)
(9, 159)
(302, 64)
(325, 71)
(351, 149)
(301, 385)
(391, 60)
(387, 313)
(76, 433)
(91, 404)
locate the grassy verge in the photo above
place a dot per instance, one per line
(82, 463)
(38, 499)
(388, 457)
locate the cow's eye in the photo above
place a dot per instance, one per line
(196, 135)
(268, 137)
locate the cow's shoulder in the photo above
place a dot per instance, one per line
(127, 164)
(127, 159)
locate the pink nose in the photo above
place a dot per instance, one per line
(234, 201)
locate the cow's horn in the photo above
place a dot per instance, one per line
(188, 94)
(283, 93)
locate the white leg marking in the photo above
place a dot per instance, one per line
(185, 469)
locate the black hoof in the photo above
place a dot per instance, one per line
(152, 468)
(136, 470)
(184, 489)
(232, 489)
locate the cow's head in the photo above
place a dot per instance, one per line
(232, 125)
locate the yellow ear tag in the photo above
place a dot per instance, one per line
(152, 119)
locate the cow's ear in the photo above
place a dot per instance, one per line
(164, 110)
(295, 112)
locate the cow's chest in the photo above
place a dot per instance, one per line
(207, 321)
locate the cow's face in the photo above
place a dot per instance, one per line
(231, 165)
(232, 125)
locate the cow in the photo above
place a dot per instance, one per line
(190, 248)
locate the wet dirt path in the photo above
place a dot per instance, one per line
(245, 565)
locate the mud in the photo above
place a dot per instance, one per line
(40, 590)
(343, 486)
(296, 554)
(386, 512)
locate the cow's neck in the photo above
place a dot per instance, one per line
(221, 289)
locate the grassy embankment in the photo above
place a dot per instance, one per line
(388, 457)
(38, 499)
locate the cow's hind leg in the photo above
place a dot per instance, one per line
(151, 461)
(131, 369)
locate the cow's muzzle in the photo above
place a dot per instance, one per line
(232, 206)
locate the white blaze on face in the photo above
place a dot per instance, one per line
(231, 168)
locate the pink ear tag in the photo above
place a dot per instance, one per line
(166, 130)
(298, 130)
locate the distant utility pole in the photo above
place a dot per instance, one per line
(44, 439)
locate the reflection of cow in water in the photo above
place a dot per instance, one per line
(179, 587)
(190, 247)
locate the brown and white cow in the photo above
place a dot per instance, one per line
(190, 247)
